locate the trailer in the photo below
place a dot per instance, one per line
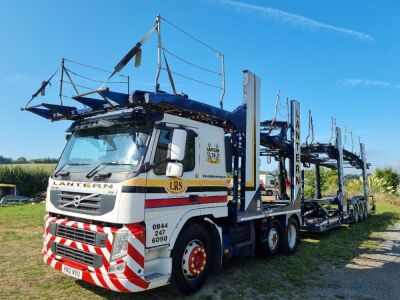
(139, 198)
(322, 213)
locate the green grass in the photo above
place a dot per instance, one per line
(24, 275)
(333, 248)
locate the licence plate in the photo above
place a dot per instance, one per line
(72, 272)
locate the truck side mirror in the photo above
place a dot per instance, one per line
(178, 145)
(174, 169)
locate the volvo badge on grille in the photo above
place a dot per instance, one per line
(77, 200)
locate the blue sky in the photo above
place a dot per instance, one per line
(339, 58)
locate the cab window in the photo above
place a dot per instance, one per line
(161, 154)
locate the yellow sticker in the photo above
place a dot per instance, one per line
(175, 185)
(213, 154)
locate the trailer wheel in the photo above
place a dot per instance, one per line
(360, 212)
(355, 214)
(272, 239)
(365, 210)
(191, 259)
(291, 237)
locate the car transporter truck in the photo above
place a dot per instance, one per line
(139, 197)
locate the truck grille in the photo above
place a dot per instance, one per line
(94, 204)
(90, 204)
(76, 234)
(86, 258)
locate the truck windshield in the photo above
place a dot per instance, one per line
(123, 147)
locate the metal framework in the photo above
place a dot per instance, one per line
(278, 139)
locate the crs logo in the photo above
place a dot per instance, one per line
(175, 186)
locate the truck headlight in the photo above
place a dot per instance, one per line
(120, 244)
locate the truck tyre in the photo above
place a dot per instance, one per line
(365, 211)
(360, 212)
(191, 259)
(291, 237)
(355, 214)
(272, 239)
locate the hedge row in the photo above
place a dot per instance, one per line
(29, 181)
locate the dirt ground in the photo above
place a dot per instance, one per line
(374, 274)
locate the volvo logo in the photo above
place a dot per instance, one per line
(77, 200)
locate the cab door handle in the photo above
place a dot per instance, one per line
(193, 198)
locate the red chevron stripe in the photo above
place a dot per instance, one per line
(86, 277)
(118, 284)
(136, 255)
(135, 279)
(101, 279)
(138, 232)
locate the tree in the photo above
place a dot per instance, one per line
(328, 182)
(389, 176)
(5, 160)
(21, 160)
(349, 177)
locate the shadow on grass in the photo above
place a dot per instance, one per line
(282, 276)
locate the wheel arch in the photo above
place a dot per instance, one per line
(296, 218)
(207, 221)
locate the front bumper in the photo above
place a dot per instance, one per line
(129, 280)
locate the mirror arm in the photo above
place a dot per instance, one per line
(146, 167)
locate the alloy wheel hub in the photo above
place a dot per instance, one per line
(194, 259)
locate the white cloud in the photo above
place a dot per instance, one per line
(351, 82)
(296, 21)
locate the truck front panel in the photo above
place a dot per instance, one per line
(89, 252)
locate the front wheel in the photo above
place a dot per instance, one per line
(292, 237)
(191, 259)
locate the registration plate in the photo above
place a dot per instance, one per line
(72, 272)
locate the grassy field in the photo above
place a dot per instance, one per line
(47, 167)
(23, 274)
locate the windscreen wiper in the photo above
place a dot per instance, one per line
(111, 163)
(68, 164)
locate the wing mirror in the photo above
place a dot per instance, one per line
(178, 145)
(174, 169)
